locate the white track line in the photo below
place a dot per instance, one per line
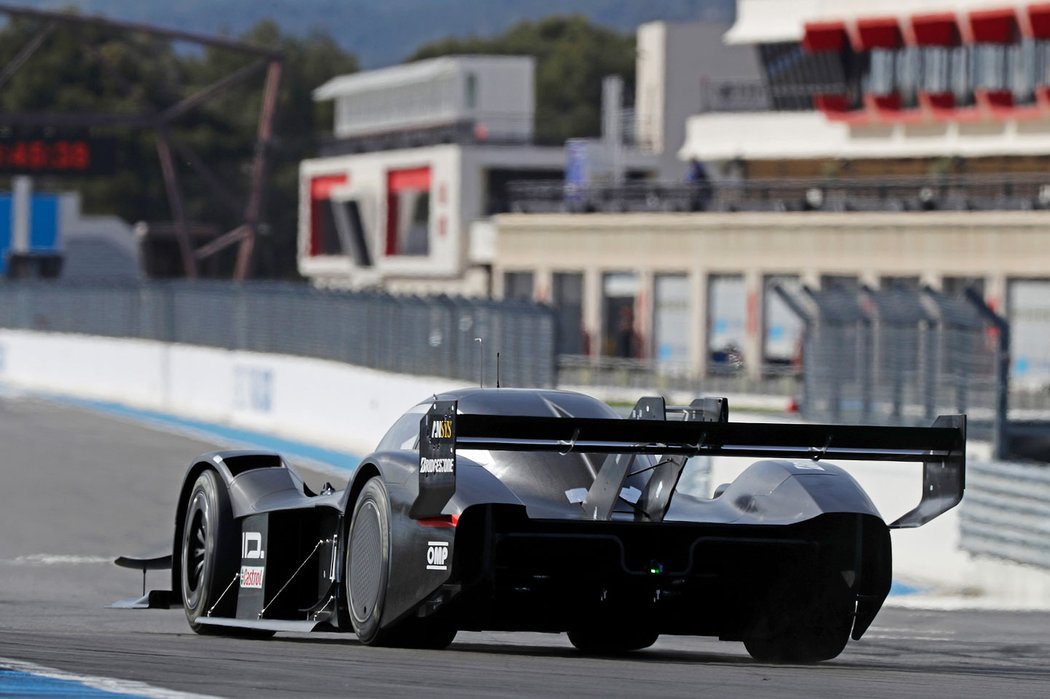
(54, 559)
(105, 684)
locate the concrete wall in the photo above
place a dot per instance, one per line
(327, 403)
(349, 408)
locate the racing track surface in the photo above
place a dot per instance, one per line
(86, 487)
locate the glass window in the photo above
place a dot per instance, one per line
(619, 291)
(517, 286)
(567, 297)
(727, 316)
(471, 97)
(671, 312)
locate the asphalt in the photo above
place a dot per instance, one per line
(79, 488)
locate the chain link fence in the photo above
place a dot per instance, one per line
(899, 357)
(438, 336)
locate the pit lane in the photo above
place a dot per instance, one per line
(79, 488)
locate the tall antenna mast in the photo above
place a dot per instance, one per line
(481, 361)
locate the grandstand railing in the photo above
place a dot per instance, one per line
(1021, 191)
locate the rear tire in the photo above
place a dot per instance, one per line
(367, 575)
(602, 641)
(368, 561)
(804, 629)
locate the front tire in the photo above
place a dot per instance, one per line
(209, 553)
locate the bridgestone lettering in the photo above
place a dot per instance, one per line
(435, 465)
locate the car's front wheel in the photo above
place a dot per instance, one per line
(209, 553)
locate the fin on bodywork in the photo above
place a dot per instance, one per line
(943, 477)
(154, 599)
(605, 491)
(661, 487)
(437, 460)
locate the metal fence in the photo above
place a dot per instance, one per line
(900, 357)
(439, 336)
(1006, 512)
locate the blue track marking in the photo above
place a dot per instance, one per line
(14, 683)
(899, 589)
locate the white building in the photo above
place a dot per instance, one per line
(421, 157)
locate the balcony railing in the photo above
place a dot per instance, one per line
(926, 193)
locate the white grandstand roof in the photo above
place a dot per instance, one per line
(769, 21)
(805, 135)
(408, 74)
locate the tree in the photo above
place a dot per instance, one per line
(572, 56)
(88, 68)
(226, 128)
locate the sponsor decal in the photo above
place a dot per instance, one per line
(251, 545)
(437, 555)
(435, 465)
(809, 467)
(441, 429)
(252, 576)
(253, 389)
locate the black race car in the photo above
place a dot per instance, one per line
(542, 510)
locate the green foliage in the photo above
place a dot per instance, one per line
(81, 69)
(572, 56)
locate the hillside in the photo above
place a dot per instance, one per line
(381, 33)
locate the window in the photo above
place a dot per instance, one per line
(618, 298)
(408, 212)
(671, 314)
(324, 236)
(567, 298)
(471, 96)
(517, 286)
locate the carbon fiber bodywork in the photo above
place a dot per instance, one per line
(544, 510)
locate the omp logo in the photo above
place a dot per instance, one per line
(252, 576)
(435, 465)
(437, 554)
(442, 429)
(251, 545)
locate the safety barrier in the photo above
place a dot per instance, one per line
(455, 338)
(1006, 512)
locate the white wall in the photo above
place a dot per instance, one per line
(350, 408)
(326, 403)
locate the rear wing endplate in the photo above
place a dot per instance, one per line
(941, 448)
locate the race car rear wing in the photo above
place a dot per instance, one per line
(700, 431)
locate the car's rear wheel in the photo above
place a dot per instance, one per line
(367, 574)
(368, 560)
(606, 641)
(209, 553)
(804, 627)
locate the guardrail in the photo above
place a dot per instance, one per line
(1006, 512)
